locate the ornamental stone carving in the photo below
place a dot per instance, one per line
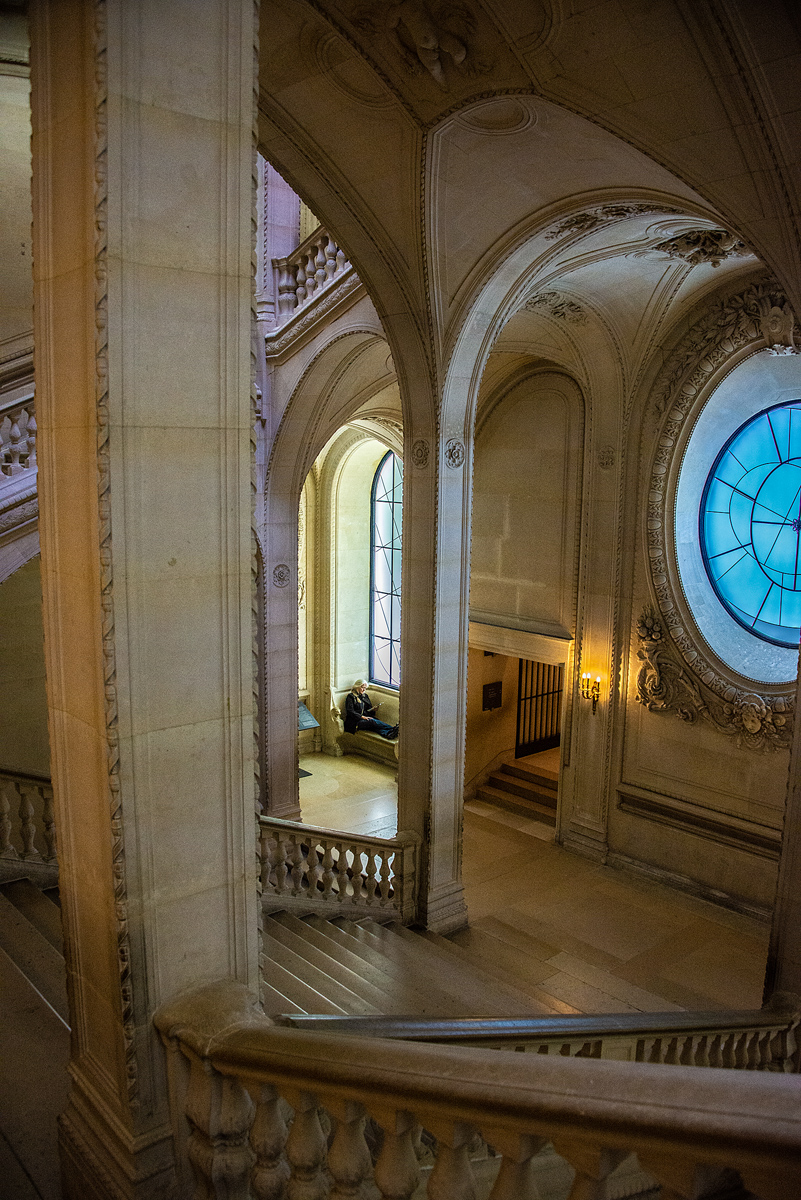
(604, 214)
(778, 327)
(666, 684)
(698, 246)
(606, 458)
(420, 453)
(454, 453)
(558, 307)
(281, 575)
(679, 673)
(425, 36)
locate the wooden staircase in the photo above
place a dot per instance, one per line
(523, 786)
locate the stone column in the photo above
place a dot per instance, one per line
(783, 971)
(143, 117)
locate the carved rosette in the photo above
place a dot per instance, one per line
(679, 673)
(281, 575)
(420, 452)
(454, 453)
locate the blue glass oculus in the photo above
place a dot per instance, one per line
(750, 525)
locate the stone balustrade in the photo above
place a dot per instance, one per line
(303, 867)
(760, 1040)
(307, 271)
(17, 438)
(27, 825)
(283, 1114)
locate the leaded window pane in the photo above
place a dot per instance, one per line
(387, 526)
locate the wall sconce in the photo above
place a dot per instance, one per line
(591, 688)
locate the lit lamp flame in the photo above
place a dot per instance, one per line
(591, 689)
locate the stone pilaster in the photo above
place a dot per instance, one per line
(143, 170)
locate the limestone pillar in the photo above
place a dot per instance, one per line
(783, 972)
(143, 158)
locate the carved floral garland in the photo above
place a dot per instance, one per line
(676, 675)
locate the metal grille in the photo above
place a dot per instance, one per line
(539, 703)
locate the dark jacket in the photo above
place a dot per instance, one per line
(356, 707)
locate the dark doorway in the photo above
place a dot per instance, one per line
(539, 704)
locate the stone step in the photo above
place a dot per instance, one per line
(523, 787)
(406, 998)
(473, 995)
(40, 910)
(321, 953)
(299, 966)
(516, 804)
(511, 965)
(37, 959)
(301, 995)
(539, 774)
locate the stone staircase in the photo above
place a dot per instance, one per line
(521, 787)
(34, 1039)
(364, 968)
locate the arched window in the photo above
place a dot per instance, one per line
(385, 571)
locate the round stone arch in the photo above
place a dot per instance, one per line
(322, 401)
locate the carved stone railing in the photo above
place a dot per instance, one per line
(334, 873)
(307, 271)
(270, 1113)
(763, 1040)
(17, 439)
(27, 826)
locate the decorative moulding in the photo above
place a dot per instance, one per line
(420, 453)
(667, 684)
(691, 818)
(425, 37)
(454, 453)
(558, 307)
(605, 214)
(281, 575)
(303, 323)
(679, 672)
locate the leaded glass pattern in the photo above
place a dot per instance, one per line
(750, 525)
(385, 574)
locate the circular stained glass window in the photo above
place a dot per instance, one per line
(750, 525)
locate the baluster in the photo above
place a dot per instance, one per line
(8, 796)
(286, 287)
(298, 865)
(220, 1113)
(341, 260)
(310, 267)
(49, 823)
(357, 878)
(270, 1173)
(515, 1180)
(28, 827)
(701, 1051)
(342, 872)
(385, 874)
(330, 258)
(17, 447)
(3, 452)
(349, 1157)
(370, 882)
(305, 1149)
(267, 860)
(397, 1172)
(452, 1176)
(320, 273)
(32, 427)
(300, 284)
(592, 1166)
(281, 865)
(328, 869)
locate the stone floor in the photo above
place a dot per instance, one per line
(595, 938)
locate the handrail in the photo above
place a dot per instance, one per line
(685, 1126)
(307, 867)
(307, 271)
(762, 1039)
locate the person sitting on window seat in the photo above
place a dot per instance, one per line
(358, 710)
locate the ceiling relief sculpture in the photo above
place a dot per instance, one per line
(593, 218)
(425, 37)
(698, 246)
